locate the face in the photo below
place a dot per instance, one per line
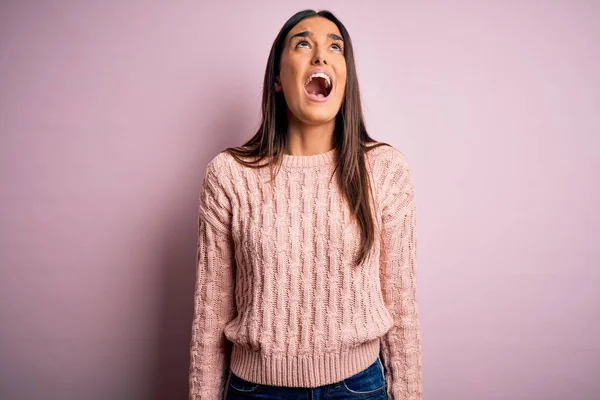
(312, 76)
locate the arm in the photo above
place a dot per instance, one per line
(214, 299)
(401, 345)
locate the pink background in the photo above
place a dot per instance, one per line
(109, 112)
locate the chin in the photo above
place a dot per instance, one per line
(317, 117)
(313, 113)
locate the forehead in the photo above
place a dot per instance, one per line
(319, 26)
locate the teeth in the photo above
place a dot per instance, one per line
(319, 75)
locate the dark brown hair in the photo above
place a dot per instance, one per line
(350, 134)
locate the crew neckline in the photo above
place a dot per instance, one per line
(289, 160)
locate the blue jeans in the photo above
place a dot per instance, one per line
(366, 384)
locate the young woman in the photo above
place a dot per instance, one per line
(306, 279)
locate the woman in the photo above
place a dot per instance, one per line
(306, 280)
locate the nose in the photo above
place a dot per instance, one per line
(319, 58)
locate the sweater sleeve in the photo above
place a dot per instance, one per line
(214, 299)
(401, 347)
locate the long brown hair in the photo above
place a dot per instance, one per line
(350, 134)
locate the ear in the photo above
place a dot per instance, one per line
(278, 87)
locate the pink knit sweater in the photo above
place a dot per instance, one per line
(277, 299)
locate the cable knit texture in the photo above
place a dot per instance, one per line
(277, 298)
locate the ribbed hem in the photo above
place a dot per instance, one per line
(302, 371)
(289, 160)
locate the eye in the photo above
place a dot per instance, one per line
(336, 47)
(300, 42)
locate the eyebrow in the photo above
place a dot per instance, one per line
(309, 33)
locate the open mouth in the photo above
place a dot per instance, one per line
(318, 86)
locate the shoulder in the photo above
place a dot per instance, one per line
(391, 174)
(220, 163)
(222, 169)
(217, 181)
(386, 159)
(215, 194)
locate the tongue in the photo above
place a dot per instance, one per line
(315, 88)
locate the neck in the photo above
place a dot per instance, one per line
(307, 140)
